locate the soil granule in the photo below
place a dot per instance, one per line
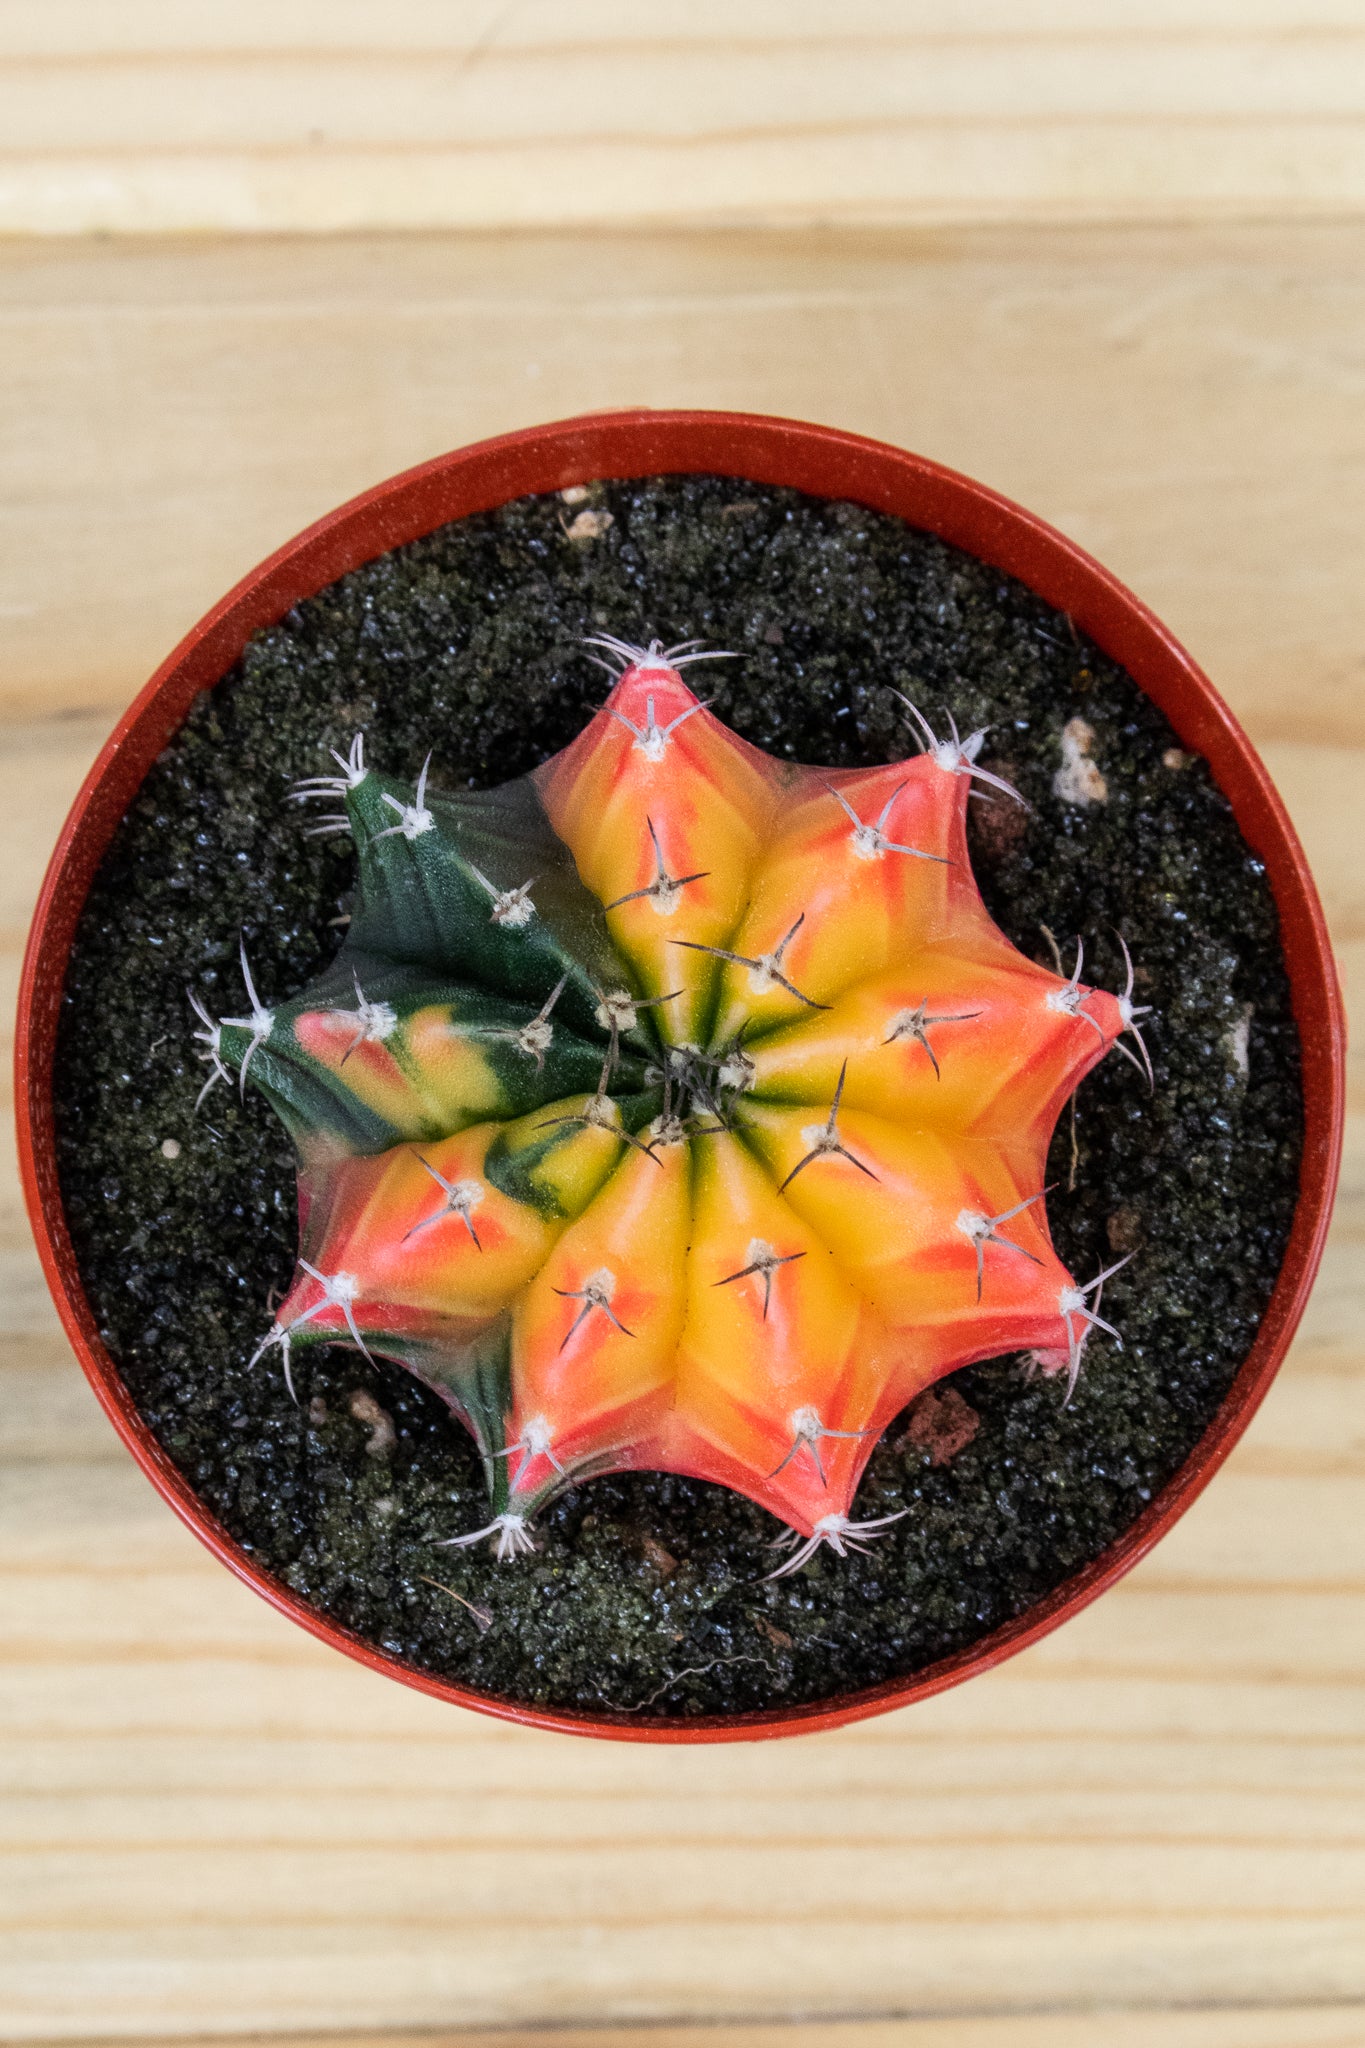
(647, 1594)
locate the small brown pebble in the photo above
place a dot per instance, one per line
(575, 494)
(653, 1552)
(1124, 1230)
(377, 1420)
(1176, 758)
(777, 1636)
(317, 1412)
(942, 1423)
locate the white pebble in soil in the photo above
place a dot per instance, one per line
(377, 1420)
(170, 1148)
(588, 526)
(1078, 780)
(1237, 1039)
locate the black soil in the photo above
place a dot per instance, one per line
(648, 1593)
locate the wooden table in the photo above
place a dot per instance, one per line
(213, 1825)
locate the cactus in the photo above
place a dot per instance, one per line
(675, 1108)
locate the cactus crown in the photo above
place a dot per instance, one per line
(675, 1107)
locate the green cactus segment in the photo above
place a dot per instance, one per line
(311, 1108)
(471, 983)
(376, 1053)
(476, 1385)
(479, 883)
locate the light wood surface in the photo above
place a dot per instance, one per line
(1299, 2026)
(342, 114)
(212, 1825)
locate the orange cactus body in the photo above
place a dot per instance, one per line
(676, 1108)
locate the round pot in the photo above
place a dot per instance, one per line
(824, 463)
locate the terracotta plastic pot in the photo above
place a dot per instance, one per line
(828, 464)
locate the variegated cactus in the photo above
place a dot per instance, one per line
(675, 1108)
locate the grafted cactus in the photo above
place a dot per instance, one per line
(675, 1108)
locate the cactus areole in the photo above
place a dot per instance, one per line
(675, 1107)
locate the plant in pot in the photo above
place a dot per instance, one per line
(676, 1113)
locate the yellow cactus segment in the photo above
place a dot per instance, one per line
(426, 1076)
(762, 1277)
(451, 1068)
(665, 812)
(776, 1341)
(912, 1053)
(425, 1235)
(914, 1217)
(865, 868)
(596, 1333)
(556, 1157)
(921, 1044)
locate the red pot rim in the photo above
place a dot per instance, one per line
(826, 463)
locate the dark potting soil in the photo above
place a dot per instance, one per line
(647, 1593)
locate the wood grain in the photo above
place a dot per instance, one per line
(496, 113)
(1150, 1827)
(1299, 2026)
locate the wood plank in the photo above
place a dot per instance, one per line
(180, 410)
(304, 116)
(205, 1818)
(81, 28)
(476, 1965)
(1240, 2027)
